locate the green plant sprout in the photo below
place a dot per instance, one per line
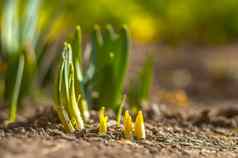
(102, 122)
(13, 104)
(73, 84)
(139, 126)
(80, 84)
(18, 40)
(26, 26)
(108, 65)
(119, 112)
(66, 100)
(140, 86)
(128, 126)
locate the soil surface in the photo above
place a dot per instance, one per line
(192, 131)
(206, 125)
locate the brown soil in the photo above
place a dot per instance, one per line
(186, 132)
(207, 129)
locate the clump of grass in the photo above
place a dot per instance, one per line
(66, 100)
(18, 41)
(108, 65)
(105, 73)
(139, 87)
(76, 85)
(25, 40)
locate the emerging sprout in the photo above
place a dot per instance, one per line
(83, 106)
(120, 111)
(139, 126)
(74, 109)
(66, 102)
(102, 122)
(139, 87)
(18, 41)
(109, 61)
(16, 91)
(80, 81)
(128, 125)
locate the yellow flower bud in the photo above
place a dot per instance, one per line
(139, 126)
(102, 122)
(128, 125)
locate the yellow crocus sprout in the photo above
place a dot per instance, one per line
(139, 126)
(102, 122)
(128, 125)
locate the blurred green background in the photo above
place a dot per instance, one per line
(193, 44)
(158, 23)
(214, 21)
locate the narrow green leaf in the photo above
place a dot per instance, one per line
(10, 27)
(16, 90)
(110, 51)
(119, 112)
(77, 60)
(28, 33)
(77, 46)
(64, 118)
(139, 87)
(74, 105)
(67, 57)
(122, 56)
(60, 101)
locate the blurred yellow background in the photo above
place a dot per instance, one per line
(214, 21)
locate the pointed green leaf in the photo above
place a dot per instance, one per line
(10, 27)
(30, 18)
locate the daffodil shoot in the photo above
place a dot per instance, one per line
(102, 122)
(139, 126)
(127, 126)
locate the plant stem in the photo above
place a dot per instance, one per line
(16, 90)
(120, 111)
(65, 119)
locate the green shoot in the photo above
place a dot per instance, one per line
(105, 76)
(28, 32)
(109, 64)
(102, 122)
(66, 102)
(18, 40)
(139, 126)
(119, 112)
(139, 87)
(9, 28)
(20, 36)
(128, 125)
(80, 84)
(60, 101)
(16, 90)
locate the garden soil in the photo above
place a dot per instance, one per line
(207, 127)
